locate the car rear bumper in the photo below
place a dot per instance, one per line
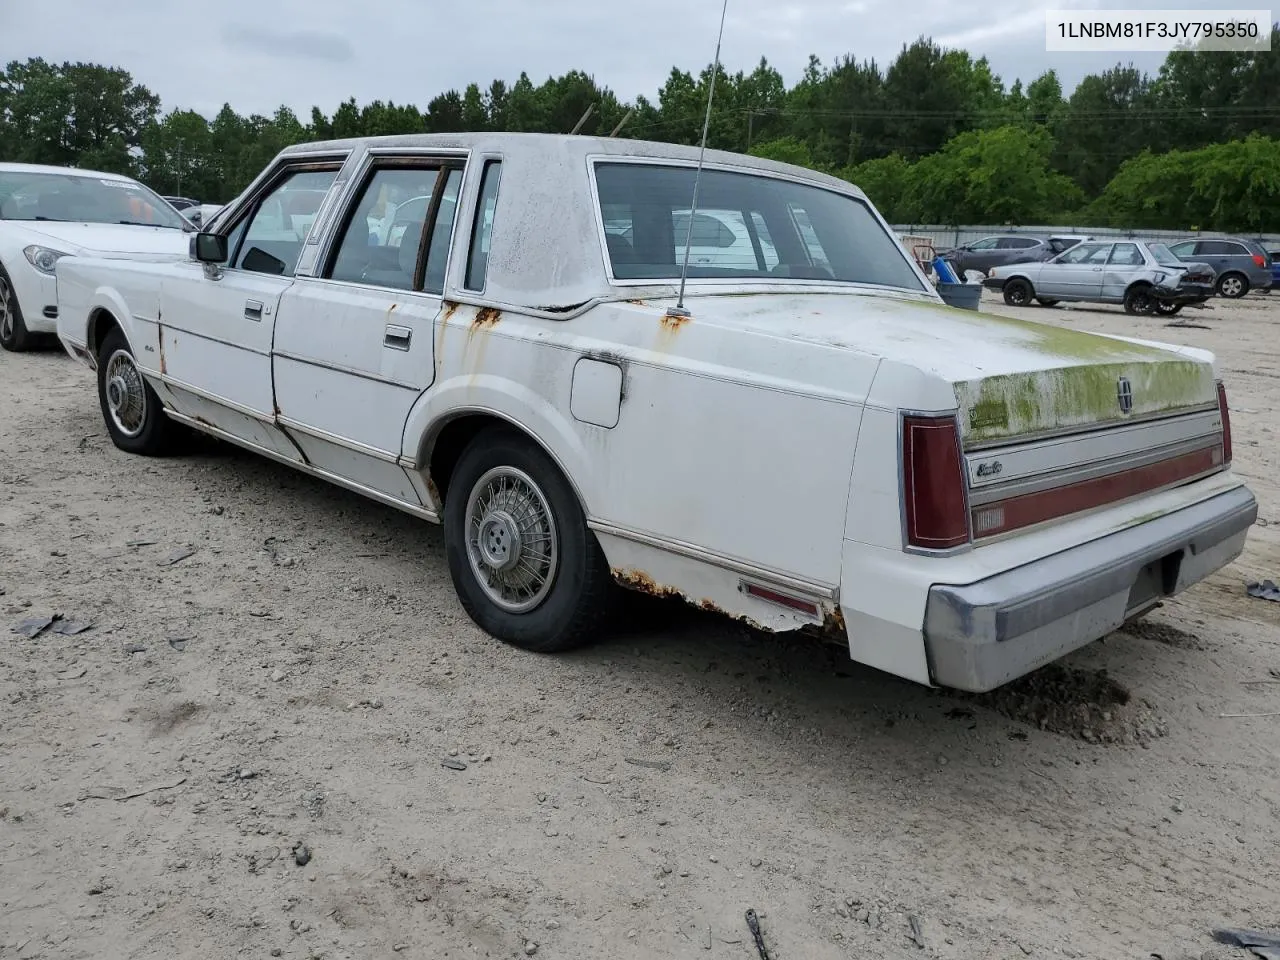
(984, 634)
(1185, 292)
(994, 283)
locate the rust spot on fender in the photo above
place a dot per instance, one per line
(450, 308)
(486, 317)
(643, 583)
(672, 324)
(833, 622)
(432, 490)
(392, 309)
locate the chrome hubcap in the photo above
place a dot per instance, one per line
(6, 312)
(512, 542)
(126, 394)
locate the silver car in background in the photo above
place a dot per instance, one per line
(1144, 277)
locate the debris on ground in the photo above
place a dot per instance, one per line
(70, 628)
(301, 854)
(753, 924)
(1266, 590)
(1264, 945)
(177, 555)
(135, 648)
(32, 627)
(453, 764)
(179, 643)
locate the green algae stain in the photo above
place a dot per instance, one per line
(1019, 404)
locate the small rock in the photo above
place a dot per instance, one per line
(246, 774)
(451, 764)
(665, 868)
(453, 751)
(134, 648)
(553, 924)
(277, 675)
(684, 873)
(276, 952)
(551, 833)
(842, 913)
(530, 949)
(714, 859)
(301, 854)
(632, 934)
(756, 861)
(486, 758)
(400, 946)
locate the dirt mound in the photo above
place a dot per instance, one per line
(1163, 633)
(1084, 704)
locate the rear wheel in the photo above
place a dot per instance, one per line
(1138, 300)
(1017, 293)
(1167, 309)
(1233, 285)
(1047, 301)
(13, 330)
(525, 565)
(133, 413)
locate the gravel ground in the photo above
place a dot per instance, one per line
(306, 676)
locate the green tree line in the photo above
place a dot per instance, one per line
(934, 137)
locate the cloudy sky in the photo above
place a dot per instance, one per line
(257, 54)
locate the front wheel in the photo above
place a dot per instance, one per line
(1167, 309)
(1138, 301)
(132, 411)
(526, 567)
(14, 336)
(1017, 293)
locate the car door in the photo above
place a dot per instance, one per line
(353, 347)
(1076, 274)
(1121, 269)
(977, 256)
(1012, 250)
(216, 323)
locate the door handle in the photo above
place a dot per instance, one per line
(253, 310)
(397, 338)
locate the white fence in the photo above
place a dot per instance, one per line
(944, 237)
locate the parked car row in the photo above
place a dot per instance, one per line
(1144, 277)
(1239, 265)
(805, 437)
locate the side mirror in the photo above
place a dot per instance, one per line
(209, 248)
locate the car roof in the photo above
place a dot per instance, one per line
(65, 171)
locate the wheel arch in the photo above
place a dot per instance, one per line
(451, 414)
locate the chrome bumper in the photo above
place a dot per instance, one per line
(982, 635)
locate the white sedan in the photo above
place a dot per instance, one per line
(47, 213)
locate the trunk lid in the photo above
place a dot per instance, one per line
(1012, 379)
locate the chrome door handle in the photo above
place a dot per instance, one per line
(253, 310)
(397, 338)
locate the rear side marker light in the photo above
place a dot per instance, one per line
(1259, 260)
(1226, 423)
(936, 513)
(781, 599)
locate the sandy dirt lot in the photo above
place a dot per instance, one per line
(302, 675)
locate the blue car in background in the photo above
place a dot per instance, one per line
(1274, 253)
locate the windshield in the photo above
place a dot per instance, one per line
(1164, 256)
(747, 226)
(74, 197)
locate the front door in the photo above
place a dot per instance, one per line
(217, 323)
(1076, 274)
(353, 346)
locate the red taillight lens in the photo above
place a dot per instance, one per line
(1226, 424)
(933, 483)
(1259, 260)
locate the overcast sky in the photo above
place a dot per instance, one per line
(257, 54)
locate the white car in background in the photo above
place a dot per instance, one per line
(47, 213)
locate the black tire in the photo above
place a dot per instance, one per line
(14, 335)
(155, 432)
(1047, 301)
(580, 588)
(1018, 292)
(1138, 300)
(1167, 309)
(1233, 285)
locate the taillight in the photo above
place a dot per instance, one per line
(933, 483)
(1259, 260)
(1226, 424)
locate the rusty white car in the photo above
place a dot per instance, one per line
(813, 441)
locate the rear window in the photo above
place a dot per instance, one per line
(747, 226)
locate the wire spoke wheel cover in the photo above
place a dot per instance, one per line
(126, 394)
(511, 539)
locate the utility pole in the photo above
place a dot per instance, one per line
(751, 117)
(578, 126)
(177, 162)
(622, 122)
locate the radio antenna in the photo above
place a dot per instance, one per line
(678, 310)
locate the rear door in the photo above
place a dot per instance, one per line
(216, 324)
(354, 347)
(1121, 269)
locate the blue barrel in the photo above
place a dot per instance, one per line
(944, 271)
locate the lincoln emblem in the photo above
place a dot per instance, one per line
(1124, 393)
